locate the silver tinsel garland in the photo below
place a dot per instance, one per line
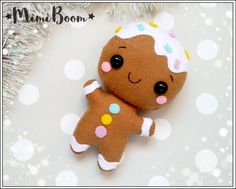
(21, 41)
(135, 9)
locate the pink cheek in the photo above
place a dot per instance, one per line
(161, 99)
(106, 66)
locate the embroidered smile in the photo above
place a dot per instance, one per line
(132, 81)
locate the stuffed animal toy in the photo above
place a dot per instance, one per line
(143, 68)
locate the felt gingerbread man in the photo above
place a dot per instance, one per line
(143, 68)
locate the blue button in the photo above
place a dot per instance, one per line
(114, 108)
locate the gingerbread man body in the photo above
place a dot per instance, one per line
(108, 126)
(143, 68)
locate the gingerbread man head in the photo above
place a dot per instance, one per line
(143, 65)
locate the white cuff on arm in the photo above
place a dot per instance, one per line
(92, 87)
(147, 123)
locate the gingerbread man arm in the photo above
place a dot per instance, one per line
(92, 90)
(144, 126)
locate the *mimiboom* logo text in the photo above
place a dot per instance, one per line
(55, 16)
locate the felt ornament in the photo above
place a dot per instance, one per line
(143, 68)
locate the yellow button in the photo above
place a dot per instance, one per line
(106, 119)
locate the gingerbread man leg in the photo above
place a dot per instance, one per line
(111, 156)
(80, 141)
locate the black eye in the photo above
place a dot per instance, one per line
(160, 87)
(116, 61)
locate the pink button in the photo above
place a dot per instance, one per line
(161, 99)
(100, 131)
(106, 66)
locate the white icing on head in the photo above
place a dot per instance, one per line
(165, 44)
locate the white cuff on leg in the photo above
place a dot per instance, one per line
(106, 165)
(77, 147)
(147, 123)
(92, 87)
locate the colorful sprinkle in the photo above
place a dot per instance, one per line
(152, 24)
(114, 108)
(140, 27)
(187, 55)
(168, 48)
(118, 29)
(172, 35)
(177, 64)
(100, 131)
(106, 66)
(106, 119)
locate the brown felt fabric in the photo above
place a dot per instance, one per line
(141, 60)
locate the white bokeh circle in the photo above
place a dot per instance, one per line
(5, 51)
(6, 177)
(228, 14)
(7, 122)
(223, 132)
(216, 172)
(45, 162)
(28, 94)
(162, 130)
(208, 21)
(74, 70)
(206, 103)
(66, 178)
(33, 169)
(206, 160)
(186, 172)
(207, 49)
(165, 20)
(68, 123)
(23, 150)
(158, 181)
(218, 63)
